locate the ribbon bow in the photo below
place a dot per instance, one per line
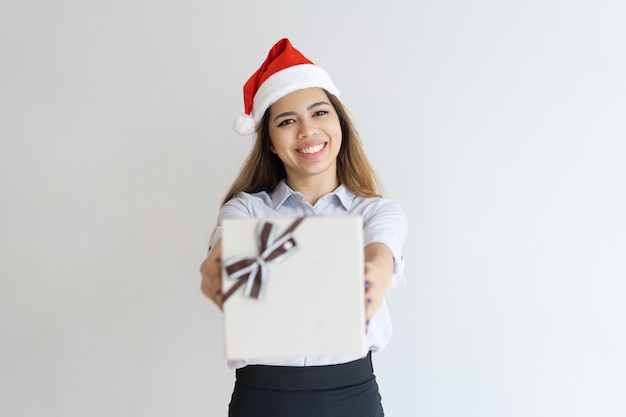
(253, 271)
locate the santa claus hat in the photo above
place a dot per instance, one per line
(284, 71)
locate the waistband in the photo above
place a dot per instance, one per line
(292, 378)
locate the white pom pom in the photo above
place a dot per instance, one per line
(244, 125)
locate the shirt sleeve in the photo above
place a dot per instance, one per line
(385, 222)
(237, 207)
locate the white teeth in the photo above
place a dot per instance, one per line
(312, 149)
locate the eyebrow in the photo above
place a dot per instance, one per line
(293, 113)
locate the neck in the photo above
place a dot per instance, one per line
(312, 188)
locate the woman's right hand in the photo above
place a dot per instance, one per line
(211, 270)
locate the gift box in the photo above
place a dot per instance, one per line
(293, 287)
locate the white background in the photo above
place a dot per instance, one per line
(498, 125)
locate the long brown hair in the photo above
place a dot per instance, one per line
(263, 170)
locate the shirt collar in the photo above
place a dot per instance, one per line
(282, 192)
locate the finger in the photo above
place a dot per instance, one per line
(211, 283)
(373, 299)
(368, 301)
(218, 298)
(368, 295)
(213, 294)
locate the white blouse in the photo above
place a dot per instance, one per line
(383, 222)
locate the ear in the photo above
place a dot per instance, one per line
(272, 149)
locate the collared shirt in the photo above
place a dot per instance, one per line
(383, 222)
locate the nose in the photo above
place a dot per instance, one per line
(307, 128)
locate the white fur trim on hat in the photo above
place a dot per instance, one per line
(287, 81)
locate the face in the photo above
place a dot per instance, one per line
(306, 135)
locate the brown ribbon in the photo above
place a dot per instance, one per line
(253, 271)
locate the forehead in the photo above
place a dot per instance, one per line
(299, 99)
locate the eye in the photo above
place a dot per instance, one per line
(320, 113)
(286, 122)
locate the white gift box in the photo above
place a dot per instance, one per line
(311, 302)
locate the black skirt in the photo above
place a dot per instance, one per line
(345, 390)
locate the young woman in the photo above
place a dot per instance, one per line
(308, 160)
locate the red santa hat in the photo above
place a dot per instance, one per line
(284, 71)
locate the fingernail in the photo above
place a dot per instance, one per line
(367, 283)
(369, 300)
(218, 260)
(218, 292)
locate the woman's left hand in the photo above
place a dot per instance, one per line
(378, 276)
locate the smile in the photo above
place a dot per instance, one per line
(312, 149)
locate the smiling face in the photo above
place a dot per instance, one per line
(306, 135)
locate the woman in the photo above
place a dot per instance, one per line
(308, 160)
